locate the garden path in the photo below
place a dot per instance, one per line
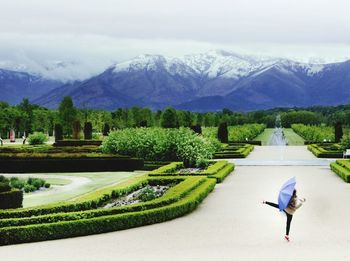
(231, 224)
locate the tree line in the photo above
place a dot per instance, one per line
(26, 118)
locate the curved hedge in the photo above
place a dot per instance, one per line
(84, 215)
(64, 229)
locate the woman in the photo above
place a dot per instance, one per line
(293, 205)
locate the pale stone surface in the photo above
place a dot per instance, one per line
(231, 224)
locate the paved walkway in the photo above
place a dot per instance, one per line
(230, 224)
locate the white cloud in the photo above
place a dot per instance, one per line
(90, 35)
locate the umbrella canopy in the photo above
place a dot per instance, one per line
(286, 193)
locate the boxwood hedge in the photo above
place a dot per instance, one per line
(342, 169)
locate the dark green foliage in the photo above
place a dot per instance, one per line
(106, 129)
(76, 129)
(74, 143)
(58, 132)
(88, 131)
(11, 199)
(342, 169)
(69, 164)
(47, 185)
(197, 128)
(169, 118)
(223, 133)
(4, 186)
(338, 131)
(67, 114)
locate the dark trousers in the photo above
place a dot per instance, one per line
(289, 216)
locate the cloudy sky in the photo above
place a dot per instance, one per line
(92, 34)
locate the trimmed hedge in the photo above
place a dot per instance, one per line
(11, 199)
(63, 143)
(342, 169)
(234, 150)
(219, 170)
(174, 194)
(69, 164)
(326, 150)
(64, 229)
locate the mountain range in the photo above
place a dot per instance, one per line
(208, 81)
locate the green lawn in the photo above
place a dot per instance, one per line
(293, 138)
(264, 137)
(68, 190)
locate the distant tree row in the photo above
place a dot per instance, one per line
(26, 118)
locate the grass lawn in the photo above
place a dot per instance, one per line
(293, 138)
(264, 137)
(73, 185)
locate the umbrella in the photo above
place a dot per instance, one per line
(286, 193)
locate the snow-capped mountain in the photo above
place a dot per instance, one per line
(14, 86)
(209, 81)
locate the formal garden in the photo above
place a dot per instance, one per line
(138, 167)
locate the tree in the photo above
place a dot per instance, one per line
(338, 131)
(67, 115)
(58, 132)
(76, 129)
(169, 119)
(87, 131)
(223, 132)
(105, 130)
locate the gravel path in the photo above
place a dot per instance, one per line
(231, 224)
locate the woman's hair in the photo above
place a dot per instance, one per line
(292, 199)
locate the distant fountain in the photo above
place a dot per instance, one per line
(278, 138)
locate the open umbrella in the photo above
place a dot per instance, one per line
(286, 193)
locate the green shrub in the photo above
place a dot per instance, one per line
(223, 133)
(29, 188)
(58, 132)
(37, 138)
(47, 185)
(147, 194)
(17, 183)
(345, 142)
(88, 131)
(161, 144)
(202, 163)
(5, 186)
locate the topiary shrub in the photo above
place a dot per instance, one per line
(338, 131)
(76, 130)
(58, 132)
(88, 131)
(106, 128)
(223, 133)
(37, 138)
(197, 128)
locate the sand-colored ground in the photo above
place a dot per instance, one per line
(231, 224)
